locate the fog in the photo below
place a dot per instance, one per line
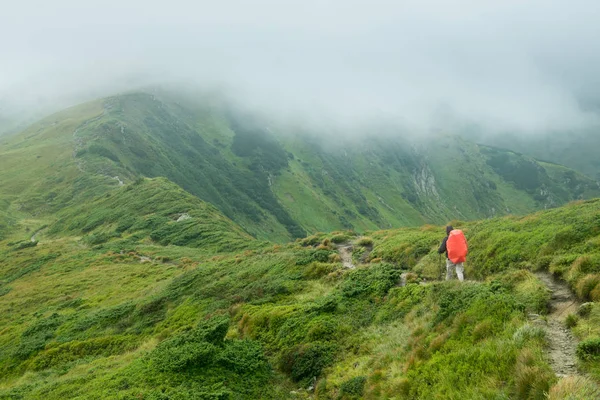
(426, 65)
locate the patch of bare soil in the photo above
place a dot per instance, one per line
(345, 251)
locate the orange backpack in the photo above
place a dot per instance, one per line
(457, 246)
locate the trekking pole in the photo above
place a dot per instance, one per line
(442, 269)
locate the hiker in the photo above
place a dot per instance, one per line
(455, 247)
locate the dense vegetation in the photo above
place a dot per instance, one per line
(155, 208)
(128, 317)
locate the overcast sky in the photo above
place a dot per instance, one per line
(506, 64)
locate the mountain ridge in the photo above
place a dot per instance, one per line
(275, 183)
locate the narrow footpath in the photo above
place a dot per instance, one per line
(562, 344)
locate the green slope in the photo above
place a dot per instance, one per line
(155, 208)
(172, 322)
(38, 172)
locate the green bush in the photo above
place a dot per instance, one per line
(401, 300)
(528, 332)
(376, 280)
(243, 356)
(327, 304)
(25, 244)
(310, 256)
(178, 354)
(117, 316)
(35, 337)
(454, 299)
(574, 388)
(365, 241)
(322, 329)
(586, 285)
(307, 361)
(316, 270)
(353, 388)
(312, 240)
(194, 348)
(192, 391)
(72, 351)
(589, 349)
(571, 320)
(4, 290)
(340, 238)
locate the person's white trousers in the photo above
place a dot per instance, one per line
(460, 270)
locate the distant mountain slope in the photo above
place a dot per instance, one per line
(273, 181)
(577, 149)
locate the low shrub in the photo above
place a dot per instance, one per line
(307, 361)
(574, 388)
(194, 348)
(571, 321)
(365, 241)
(353, 388)
(316, 270)
(117, 316)
(190, 390)
(342, 238)
(528, 332)
(243, 356)
(482, 330)
(314, 255)
(24, 244)
(176, 355)
(586, 285)
(375, 280)
(587, 263)
(532, 380)
(35, 337)
(71, 351)
(589, 349)
(311, 240)
(561, 264)
(585, 309)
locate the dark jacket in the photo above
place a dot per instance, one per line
(443, 248)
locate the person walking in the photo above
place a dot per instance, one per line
(456, 249)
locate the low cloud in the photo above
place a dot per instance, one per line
(425, 65)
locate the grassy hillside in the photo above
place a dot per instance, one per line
(130, 318)
(276, 183)
(38, 172)
(157, 209)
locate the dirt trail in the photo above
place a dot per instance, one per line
(563, 345)
(345, 251)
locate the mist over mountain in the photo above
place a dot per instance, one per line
(276, 181)
(523, 66)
